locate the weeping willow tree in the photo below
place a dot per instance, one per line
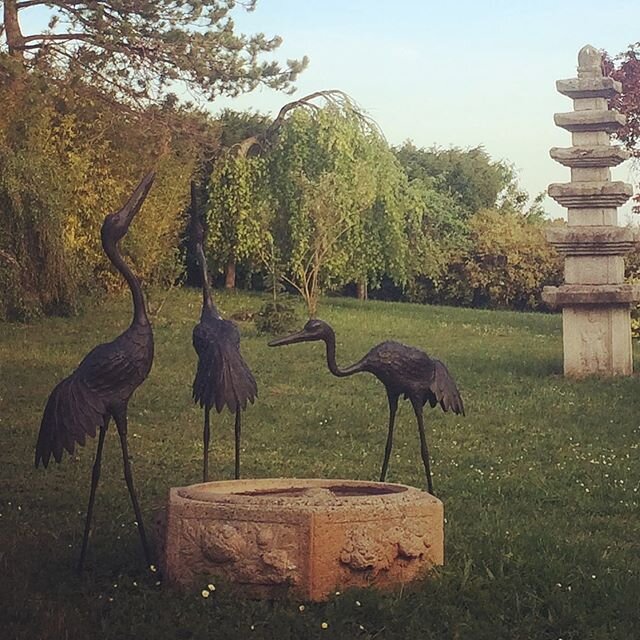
(321, 199)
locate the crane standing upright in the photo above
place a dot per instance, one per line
(402, 370)
(102, 385)
(222, 376)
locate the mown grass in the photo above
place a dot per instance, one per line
(540, 481)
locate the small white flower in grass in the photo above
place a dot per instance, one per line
(358, 603)
(115, 585)
(593, 575)
(325, 625)
(337, 593)
(110, 599)
(158, 583)
(135, 584)
(211, 587)
(301, 607)
(153, 568)
(204, 593)
(360, 627)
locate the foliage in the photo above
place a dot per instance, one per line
(485, 248)
(65, 162)
(468, 175)
(508, 262)
(237, 214)
(141, 48)
(540, 481)
(339, 197)
(277, 317)
(625, 68)
(632, 276)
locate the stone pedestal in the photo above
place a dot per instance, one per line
(594, 299)
(303, 539)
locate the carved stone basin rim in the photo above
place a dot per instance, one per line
(300, 492)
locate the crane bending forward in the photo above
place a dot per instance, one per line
(402, 370)
(100, 388)
(222, 377)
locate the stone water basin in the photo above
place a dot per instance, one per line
(302, 538)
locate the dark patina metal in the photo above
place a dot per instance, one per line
(100, 388)
(223, 378)
(402, 370)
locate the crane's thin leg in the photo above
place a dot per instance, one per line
(238, 444)
(206, 437)
(121, 423)
(95, 476)
(424, 451)
(393, 407)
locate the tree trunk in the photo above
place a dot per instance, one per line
(230, 275)
(362, 292)
(15, 39)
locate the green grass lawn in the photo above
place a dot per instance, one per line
(540, 481)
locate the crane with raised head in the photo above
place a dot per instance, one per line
(403, 370)
(103, 383)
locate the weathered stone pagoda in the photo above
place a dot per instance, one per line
(594, 299)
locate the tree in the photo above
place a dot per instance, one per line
(337, 193)
(625, 68)
(237, 214)
(65, 161)
(232, 195)
(142, 48)
(506, 262)
(469, 175)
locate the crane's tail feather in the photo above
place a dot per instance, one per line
(224, 379)
(71, 413)
(444, 390)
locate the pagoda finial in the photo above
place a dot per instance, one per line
(589, 62)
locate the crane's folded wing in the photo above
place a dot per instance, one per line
(72, 412)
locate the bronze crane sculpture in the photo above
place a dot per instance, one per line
(102, 385)
(402, 370)
(222, 376)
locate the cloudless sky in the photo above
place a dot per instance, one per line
(445, 73)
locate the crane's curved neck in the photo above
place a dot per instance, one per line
(207, 298)
(139, 308)
(330, 342)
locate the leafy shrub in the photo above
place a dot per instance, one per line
(505, 264)
(277, 318)
(66, 160)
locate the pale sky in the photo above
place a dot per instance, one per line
(461, 73)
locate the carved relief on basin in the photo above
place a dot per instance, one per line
(302, 538)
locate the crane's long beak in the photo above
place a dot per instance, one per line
(299, 336)
(134, 203)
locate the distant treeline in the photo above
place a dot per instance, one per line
(319, 204)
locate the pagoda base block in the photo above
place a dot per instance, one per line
(597, 340)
